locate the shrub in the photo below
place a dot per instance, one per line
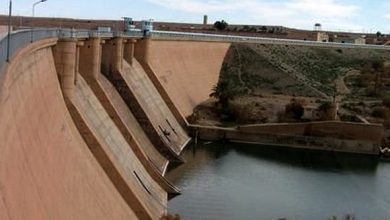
(170, 217)
(377, 65)
(365, 80)
(295, 109)
(227, 90)
(386, 123)
(371, 92)
(386, 101)
(380, 112)
(247, 113)
(221, 25)
(325, 107)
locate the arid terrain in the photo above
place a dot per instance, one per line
(260, 83)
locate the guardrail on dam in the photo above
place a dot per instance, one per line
(171, 35)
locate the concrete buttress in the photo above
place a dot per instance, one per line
(65, 56)
(90, 62)
(129, 51)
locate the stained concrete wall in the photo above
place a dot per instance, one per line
(145, 101)
(154, 107)
(134, 128)
(292, 140)
(147, 198)
(46, 169)
(124, 119)
(154, 163)
(331, 129)
(186, 70)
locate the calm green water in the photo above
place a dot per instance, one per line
(254, 182)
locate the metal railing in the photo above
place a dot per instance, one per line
(171, 35)
(20, 39)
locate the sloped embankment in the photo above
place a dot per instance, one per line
(293, 70)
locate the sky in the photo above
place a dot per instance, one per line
(346, 15)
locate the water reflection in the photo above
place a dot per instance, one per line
(239, 181)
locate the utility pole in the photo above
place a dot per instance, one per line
(9, 30)
(33, 15)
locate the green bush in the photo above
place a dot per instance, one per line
(380, 112)
(295, 109)
(371, 92)
(248, 113)
(221, 25)
(386, 101)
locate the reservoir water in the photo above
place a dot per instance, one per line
(238, 181)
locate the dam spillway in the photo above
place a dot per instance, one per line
(72, 144)
(47, 171)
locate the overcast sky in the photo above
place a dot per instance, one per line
(354, 15)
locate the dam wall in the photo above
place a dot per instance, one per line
(87, 130)
(331, 129)
(73, 145)
(46, 169)
(155, 163)
(328, 136)
(137, 180)
(141, 192)
(144, 100)
(185, 72)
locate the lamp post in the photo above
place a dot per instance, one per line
(9, 30)
(33, 15)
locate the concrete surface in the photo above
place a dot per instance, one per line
(132, 125)
(155, 107)
(46, 169)
(330, 129)
(187, 70)
(142, 193)
(123, 118)
(326, 136)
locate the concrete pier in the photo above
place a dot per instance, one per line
(65, 57)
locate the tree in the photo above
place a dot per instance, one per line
(225, 91)
(378, 34)
(386, 101)
(221, 25)
(377, 65)
(378, 68)
(295, 109)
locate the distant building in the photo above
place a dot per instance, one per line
(322, 37)
(205, 20)
(129, 24)
(349, 39)
(311, 113)
(147, 27)
(317, 27)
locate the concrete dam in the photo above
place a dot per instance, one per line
(89, 124)
(90, 121)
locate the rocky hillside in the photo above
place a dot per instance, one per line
(293, 70)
